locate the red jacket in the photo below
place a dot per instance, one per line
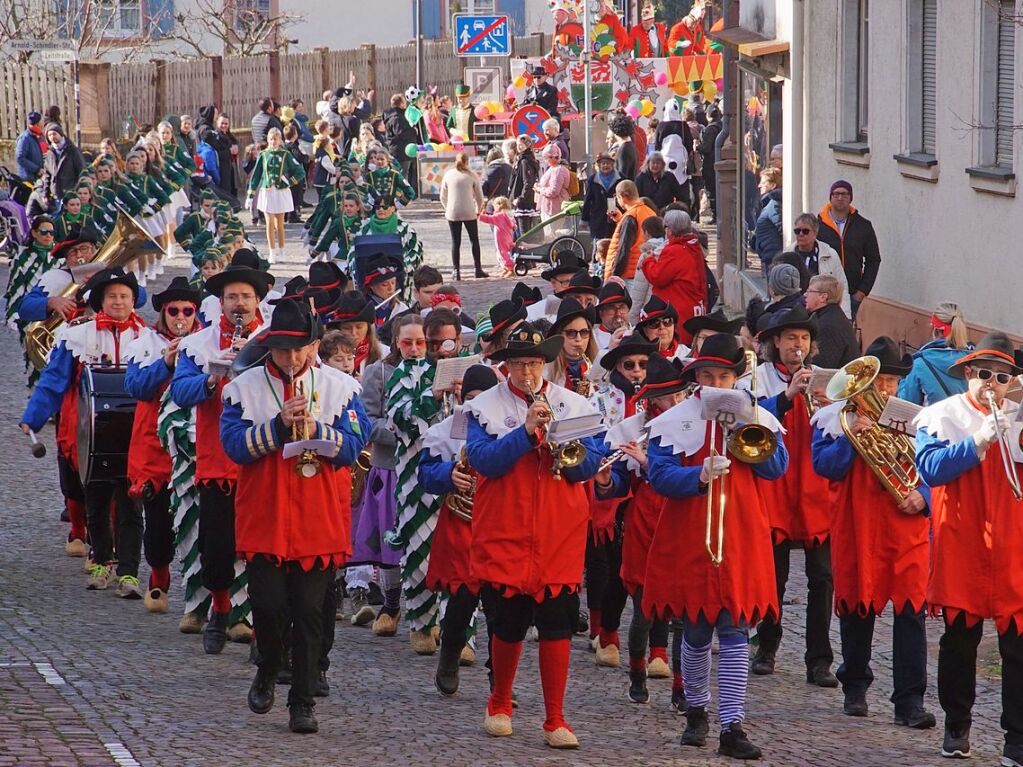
(678, 276)
(639, 42)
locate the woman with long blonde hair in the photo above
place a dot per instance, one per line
(928, 381)
(275, 172)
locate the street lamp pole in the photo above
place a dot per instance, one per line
(419, 44)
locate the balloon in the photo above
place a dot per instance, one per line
(636, 103)
(647, 108)
(632, 112)
(710, 90)
(662, 78)
(413, 114)
(425, 148)
(457, 140)
(411, 150)
(482, 112)
(494, 107)
(510, 92)
(435, 146)
(520, 81)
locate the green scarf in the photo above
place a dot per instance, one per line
(388, 225)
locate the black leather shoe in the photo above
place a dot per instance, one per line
(301, 718)
(957, 743)
(214, 635)
(638, 692)
(446, 677)
(855, 704)
(321, 687)
(821, 676)
(763, 663)
(697, 727)
(481, 275)
(261, 693)
(735, 744)
(917, 718)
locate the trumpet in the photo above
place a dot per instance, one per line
(812, 405)
(1008, 464)
(565, 456)
(308, 463)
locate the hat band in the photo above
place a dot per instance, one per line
(722, 360)
(661, 385)
(378, 273)
(328, 286)
(296, 333)
(988, 352)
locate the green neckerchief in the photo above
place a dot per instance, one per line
(388, 225)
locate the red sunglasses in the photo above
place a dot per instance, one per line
(187, 311)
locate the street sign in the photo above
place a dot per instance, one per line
(33, 46)
(59, 54)
(481, 35)
(528, 121)
(485, 83)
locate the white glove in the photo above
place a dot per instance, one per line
(713, 467)
(986, 434)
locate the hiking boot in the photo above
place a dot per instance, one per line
(735, 744)
(362, 613)
(214, 636)
(261, 693)
(917, 718)
(697, 727)
(763, 663)
(821, 676)
(100, 577)
(855, 704)
(128, 587)
(446, 677)
(957, 743)
(638, 692)
(302, 719)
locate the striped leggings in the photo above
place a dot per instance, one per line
(733, 665)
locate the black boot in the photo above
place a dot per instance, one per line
(821, 676)
(855, 704)
(697, 727)
(321, 687)
(763, 662)
(261, 693)
(302, 719)
(735, 744)
(446, 678)
(284, 672)
(214, 635)
(637, 687)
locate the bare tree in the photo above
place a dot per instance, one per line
(231, 28)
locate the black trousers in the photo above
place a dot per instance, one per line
(818, 603)
(957, 676)
(70, 481)
(280, 592)
(331, 597)
(710, 184)
(909, 657)
(554, 617)
(159, 535)
(604, 588)
(457, 617)
(643, 632)
(456, 242)
(216, 535)
(98, 497)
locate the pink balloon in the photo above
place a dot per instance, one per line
(510, 92)
(482, 112)
(632, 112)
(661, 79)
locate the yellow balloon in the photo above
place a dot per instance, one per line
(648, 108)
(710, 90)
(519, 81)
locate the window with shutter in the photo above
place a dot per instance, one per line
(1006, 83)
(862, 70)
(928, 75)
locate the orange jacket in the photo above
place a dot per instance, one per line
(627, 237)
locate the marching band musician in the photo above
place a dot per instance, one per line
(627, 365)
(505, 316)
(879, 553)
(102, 340)
(210, 310)
(658, 322)
(151, 361)
(663, 388)
(978, 534)
(529, 527)
(195, 383)
(613, 305)
(442, 473)
(681, 581)
(798, 503)
(559, 275)
(583, 287)
(293, 514)
(703, 326)
(571, 367)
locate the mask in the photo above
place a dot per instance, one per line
(371, 167)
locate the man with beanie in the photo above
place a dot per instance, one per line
(29, 149)
(784, 287)
(62, 164)
(853, 238)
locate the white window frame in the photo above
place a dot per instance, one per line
(483, 7)
(915, 143)
(854, 73)
(112, 14)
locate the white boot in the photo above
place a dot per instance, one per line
(271, 256)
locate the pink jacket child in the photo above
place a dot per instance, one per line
(504, 231)
(552, 188)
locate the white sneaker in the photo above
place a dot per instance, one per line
(271, 256)
(159, 267)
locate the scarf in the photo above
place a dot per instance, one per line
(105, 322)
(387, 225)
(361, 352)
(227, 329)
(607, 180)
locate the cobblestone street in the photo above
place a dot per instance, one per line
(88, 679)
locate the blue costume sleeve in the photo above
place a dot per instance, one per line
(595, 451)
(143, 383)
(33, 305)
(778, 405)
(353, 434)
(143, 298)
(494, 457)
(667, 476)
(621, 481)
(774, 466)
(832, 456)
(54, 381)
(940, 462)
(245, 442)
(188, 385)
(435, 475)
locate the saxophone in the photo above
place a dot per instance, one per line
(458, 503)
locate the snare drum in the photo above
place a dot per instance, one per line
(106, 414)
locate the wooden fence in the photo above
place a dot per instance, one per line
(26, 88)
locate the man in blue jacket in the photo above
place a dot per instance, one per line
(28, 153)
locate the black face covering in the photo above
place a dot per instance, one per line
(620, 381)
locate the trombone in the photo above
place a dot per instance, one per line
(1003, 442)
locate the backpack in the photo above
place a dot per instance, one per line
(574, 188)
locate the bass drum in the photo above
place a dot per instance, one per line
(106, 414)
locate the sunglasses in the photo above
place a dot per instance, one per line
(412, 343)
(45, 232)
(584, 333)
(631, 365)
(1001, 378)
(802, 231)
(660, 322)
(186, 311)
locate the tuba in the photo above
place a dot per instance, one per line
(123, 246)
(458, 504)
(891, 455)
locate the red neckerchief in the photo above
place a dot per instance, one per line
(783, 371)
(521, 394)
(670, 351)
(227, 329)
(361, 352)
(105, 322)
(289, 385)
(606, 330)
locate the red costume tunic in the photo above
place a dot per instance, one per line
(639, 41)
(147, 460)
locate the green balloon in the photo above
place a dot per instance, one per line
(411, 150)
(413, 114)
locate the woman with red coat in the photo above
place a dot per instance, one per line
(529, 525)
(151, 360)
(678, 276)
(729, 594)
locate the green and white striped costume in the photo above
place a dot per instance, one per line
(411, 405)
(176, 429)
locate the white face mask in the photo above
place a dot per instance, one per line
(371, 167)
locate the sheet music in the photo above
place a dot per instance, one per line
(568, 429)
(452, 370)
(459, 424)
(728, 407)
(219, 367)
(898, 415)
(819, 381)
(82, 272)
(466, 340)
(325, 447)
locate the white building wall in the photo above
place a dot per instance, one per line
(350, 23)
(942, 240)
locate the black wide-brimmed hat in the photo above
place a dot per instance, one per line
(567, 263)
(351, 307)
(527, 341)
(327, 275)
(61, 248)
(613, 292)
(795, 318)
(582, 283)
(527, 295)
(378, 269)
(293, 288)
(503, 314)
(654, 308)
(101, 280)
(716, 321)
(887, 352)
(635, 343)
(178, 290)
(663, 376)
(292, 326)
(720, 351)
(570, 309)
(244, 267)
(994, 347)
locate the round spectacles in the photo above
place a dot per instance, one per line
(631, 365)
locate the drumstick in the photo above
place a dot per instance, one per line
(38, 448)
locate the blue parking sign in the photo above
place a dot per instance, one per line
(481, 35)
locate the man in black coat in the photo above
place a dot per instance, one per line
(663, 188)
(226, 146)
(706, 149)
(62, 164)
(836, 336)
(542, 92)
(400, 134)
(852, 236)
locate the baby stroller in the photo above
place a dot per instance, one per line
(368, 245)
(542, 243)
